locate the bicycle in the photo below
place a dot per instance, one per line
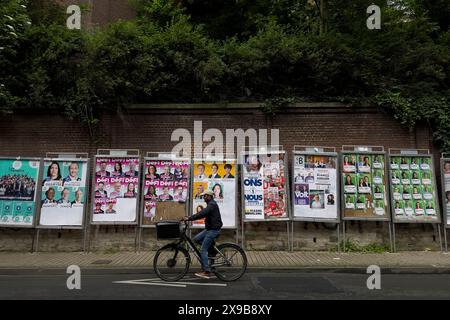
(228, 261)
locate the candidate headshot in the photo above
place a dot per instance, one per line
(64, 197)
(132, 172)
(53, 172)
(49, 196)
(118, 172)
(252, 163)
(228, 167)
(73, 173)
(151, 172)
(103, 172)
(200, 172)
(214, 174)
(78, 197)
(217, 190)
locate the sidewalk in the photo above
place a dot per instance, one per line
(425, 261)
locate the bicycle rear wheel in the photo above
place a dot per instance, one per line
(171, 262)
(230, 263)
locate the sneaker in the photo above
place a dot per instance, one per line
(204, 275)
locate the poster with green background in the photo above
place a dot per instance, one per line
(18, 184)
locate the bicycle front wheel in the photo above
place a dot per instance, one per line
(171, 262)
(230, 263)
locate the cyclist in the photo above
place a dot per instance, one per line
(213, 224)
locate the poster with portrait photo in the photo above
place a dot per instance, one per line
(264, 186)
(220, 178)
(63, 193)
(350, 183)
(116, 184)
(164, 181)
(364, 183)
(18, 195)
(446, 189)
(314, 196)
(367, 185)
(417, 189)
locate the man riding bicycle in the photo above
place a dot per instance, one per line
(213, 224)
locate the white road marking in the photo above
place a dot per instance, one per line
(180, 284)
(152, 283)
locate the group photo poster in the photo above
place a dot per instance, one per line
(63, 192)
(219, 177)
(314, 186)
(116, 190)
(364, 182)
(265, 193)
(413, 189)
(446, 189)
(18, 191)
(164, 181)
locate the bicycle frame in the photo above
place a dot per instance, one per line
(186, 239)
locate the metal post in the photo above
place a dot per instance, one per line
(243, 235)
(288, 237)
(440, 236)
(140, 238)
(390, 236)
(86, 232)
(292, 236)
(36, 248)
(393, 237)
(136, 234)
(339, 236)
(343, 234)
(445, 239)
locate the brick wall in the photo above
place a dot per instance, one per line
(149, 128)
(101, 12)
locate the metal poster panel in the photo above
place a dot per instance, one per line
(445, 169)
(265, 194)
(413, 189)
(18, 191)
(63, 192)
(164, 181)
(364, 186)
(221, 178)
(314, 186)
(116, 191)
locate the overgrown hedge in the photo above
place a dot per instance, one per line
(169, 54)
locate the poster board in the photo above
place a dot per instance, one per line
(115, 189)
(445, 174)
(315, 186)
(19, 189)
(220, 176)
(265, 186)
(63, 196)
(364, 184)
(413, 187)
(165, 185)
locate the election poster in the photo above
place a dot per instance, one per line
(265, 194)
(219, 177)
(63, 192)
(116, 189)
(164, 181)
(315, 187)
(446, 189)
(18, 191)
(364, 186)
(413, 188)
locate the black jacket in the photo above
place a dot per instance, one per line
(211, 213)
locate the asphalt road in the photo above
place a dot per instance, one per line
(255, 285)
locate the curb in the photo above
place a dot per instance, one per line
(258, 269)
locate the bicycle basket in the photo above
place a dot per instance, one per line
(168, 230)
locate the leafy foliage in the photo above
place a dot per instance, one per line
(277, 52)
